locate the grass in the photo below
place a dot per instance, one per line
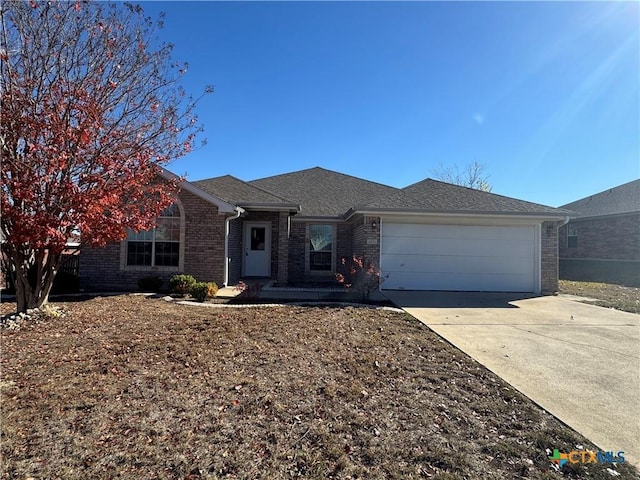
(605, 295)
(128, 387)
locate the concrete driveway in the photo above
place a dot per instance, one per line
(579, 362)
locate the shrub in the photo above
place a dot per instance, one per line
(247, 291)
(150, 284)
(202, 290)
(181, 284)
(212, 289)
(359, 277)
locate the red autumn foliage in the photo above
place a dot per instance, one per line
(89, 115)
(359, 276)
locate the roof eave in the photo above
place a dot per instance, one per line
(270, 207)
(223, 206)
(603, 215)
(319, 218)
(543, 216)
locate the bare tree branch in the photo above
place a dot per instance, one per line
(472, 175)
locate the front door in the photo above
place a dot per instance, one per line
(257, 249)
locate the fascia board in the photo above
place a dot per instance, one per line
(286, 207)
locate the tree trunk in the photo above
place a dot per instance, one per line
(33, 292)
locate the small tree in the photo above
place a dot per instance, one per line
(472, 175)
(90, 109)
(359, 276)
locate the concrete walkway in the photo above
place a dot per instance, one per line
(579, 362)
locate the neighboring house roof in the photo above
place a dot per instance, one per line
(435, 196)
(614, 201)
(234, 190)
(323, 193)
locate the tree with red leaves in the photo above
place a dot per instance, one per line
(90, 111)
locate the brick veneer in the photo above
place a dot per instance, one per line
(100, 268)
(549, 257)
(366, 239)
(282, 254)
(344, 245)
(604, 238)
(297, 249)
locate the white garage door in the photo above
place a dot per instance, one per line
(457, 257)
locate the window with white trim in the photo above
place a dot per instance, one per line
(159, 247)
(320, 248)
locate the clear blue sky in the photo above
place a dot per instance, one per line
(546, 94)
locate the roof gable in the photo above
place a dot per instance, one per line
(323, 193)
(223, 205)
(434, 196)
(614, 201)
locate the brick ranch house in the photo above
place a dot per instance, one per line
(604, 239)
(297, 226)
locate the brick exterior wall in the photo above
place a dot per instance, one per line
(282, 254)
(203, 249)
(100, 270)
(366, 239)
(297, 245)
(298, 250)
(344, 245)
(606, 238)
(549, 257)
(204, 240)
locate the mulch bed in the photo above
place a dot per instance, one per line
(133, 387)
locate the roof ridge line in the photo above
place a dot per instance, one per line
(249, 185)
(324, 170)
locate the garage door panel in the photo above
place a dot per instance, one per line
(456, 282)
(457, 231)
(451, 246)
(454, 264)
(458, 257)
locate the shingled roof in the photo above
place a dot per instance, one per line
(435, 196)
(317, 192)
(614, 201)
(323, 193)
(238, 192)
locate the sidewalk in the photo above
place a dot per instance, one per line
(320, 294)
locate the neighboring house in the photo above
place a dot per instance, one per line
(298, 226)
(603, 241)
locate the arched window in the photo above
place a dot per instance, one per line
(159, 247)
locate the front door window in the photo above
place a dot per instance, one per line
(258, 235)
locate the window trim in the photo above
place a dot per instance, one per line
(157, 268)
(307, 250)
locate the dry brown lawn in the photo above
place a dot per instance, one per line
(138, 388)
(607, 295)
